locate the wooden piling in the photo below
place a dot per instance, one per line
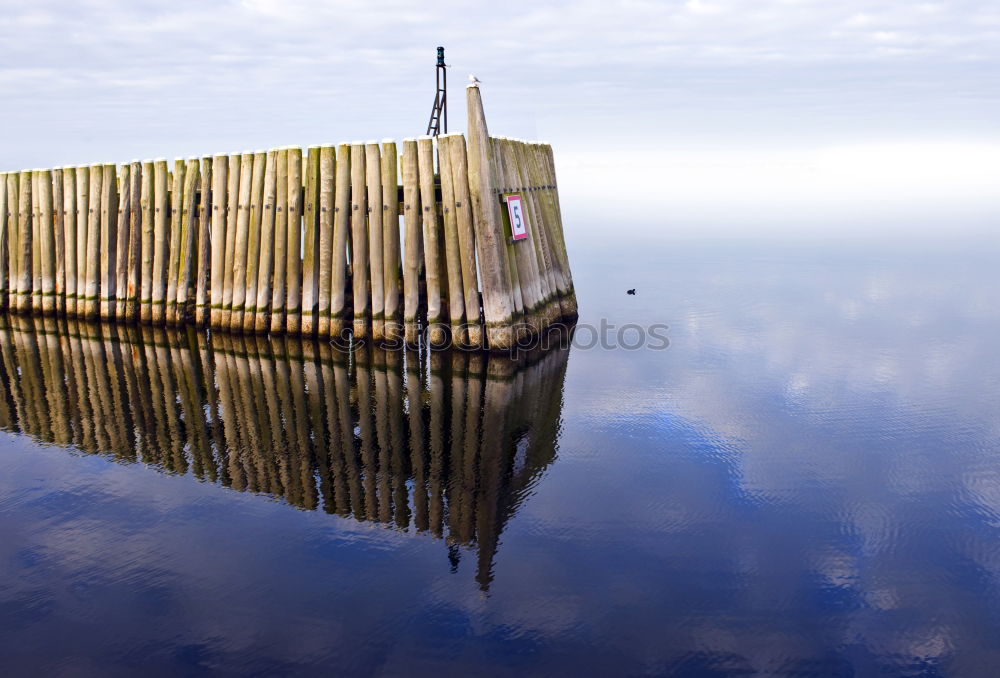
(524, 253)
(12, 214)
(176, 235)
(69, 238)
(239, 269)
(229, 252)
(220, 177)
(411, 242)
(325, 254)
(109, 242)
(253, 239)
(548, 298)
(129, 310)
(26, 232)
(59, 234)
(545, 168)
(123, 224)
(433, 266)
(6, 274)
(310, 244)
(161, 242)
(466, 239)
(453, 260)
(498, 304)
(46, 243)
(293, 250)
(538, 231)
(36, 242)
(147, 208)
(265, 267)
(82, 233)
(202, 307)
(391, 273)
(186, 282)
(341, 229)
(279, 279)
(373, 181)
(359, 242)
(94, 243)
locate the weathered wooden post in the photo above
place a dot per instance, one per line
(36, 243)
(373, 181)
(433, 266)
(391, 282)
(186, 280)
(310, 243)
(229, 254)
(93, 260)
(220, 177)
(5, 234)
(69, 238)
(202, 306)
(280, 245)
(498, 306)
(456, 292)
(59, 225)
(47, 243)
(176, 234)
(161, 242)
(411, 243)
(146, 215)
(466, 239)
(341, 229)
(239, 268)
(325, 254)
(293, 250)
(82, 229)
(253, 240)
(262, 318)
(359, 241)
(13, 240)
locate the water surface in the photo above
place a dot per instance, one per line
(805, 482)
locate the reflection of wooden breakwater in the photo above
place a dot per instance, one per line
(285, 242)
(448, 448)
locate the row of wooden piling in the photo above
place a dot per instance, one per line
(286, 241)
(426, 441)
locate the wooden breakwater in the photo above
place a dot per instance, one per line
(442, 443)
(384, 242)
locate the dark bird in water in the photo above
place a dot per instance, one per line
(631, 291)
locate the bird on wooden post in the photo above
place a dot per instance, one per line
(474, 80)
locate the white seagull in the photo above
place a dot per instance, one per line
(474, 80)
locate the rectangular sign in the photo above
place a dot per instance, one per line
(518, 220)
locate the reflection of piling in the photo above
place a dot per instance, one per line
(447, 444)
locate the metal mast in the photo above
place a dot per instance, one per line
(439, 114)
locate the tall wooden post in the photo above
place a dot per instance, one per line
(161, 242)
(280, 245)
(498, 304)
(293, 249)
(411, 242)
(262, 318)
(391, 280)
(341, 229)
(373, 181)
(47, 242)
(359, 241)
(220, 177)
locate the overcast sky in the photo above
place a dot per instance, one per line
(706, 109)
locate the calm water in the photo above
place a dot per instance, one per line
(806, 482)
